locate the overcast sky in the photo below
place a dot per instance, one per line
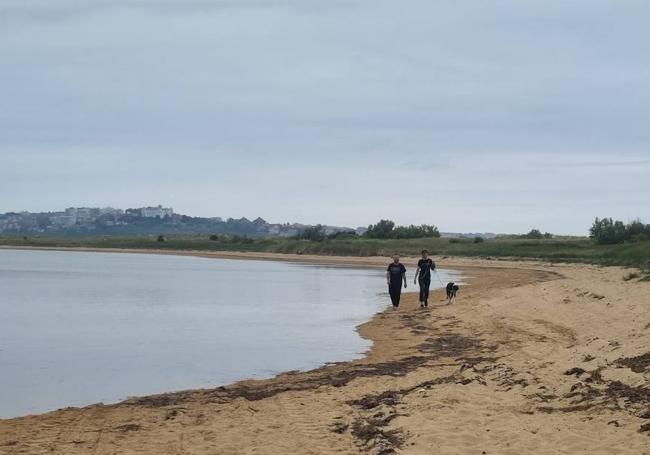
(475, 116)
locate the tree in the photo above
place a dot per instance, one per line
(160, 238)
(386, 229)
(535, 234)
(381, 230)
(313, 233)
(637, 231)
(415, 232)
(608, 231)
(340, 235)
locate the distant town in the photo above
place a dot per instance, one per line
(159, 220)
(141, 221)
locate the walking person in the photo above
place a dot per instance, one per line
(423, 276)
(395, 276)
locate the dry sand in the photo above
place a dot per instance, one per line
(532, 358)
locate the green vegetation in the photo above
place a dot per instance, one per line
(533, 234)
(608, 232)
(386, 229)
(536, 234)
(611, 243)
(634, 254)
(312, 233)
(228, 238)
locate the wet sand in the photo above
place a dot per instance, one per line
(531, 358)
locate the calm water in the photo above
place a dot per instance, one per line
(80, 328)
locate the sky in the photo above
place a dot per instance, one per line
(497, 116)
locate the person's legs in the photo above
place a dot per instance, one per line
(395, 293)
(422, 292)
(424, 289)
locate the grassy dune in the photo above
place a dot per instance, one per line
(557, 250)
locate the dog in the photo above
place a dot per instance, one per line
(452, 289)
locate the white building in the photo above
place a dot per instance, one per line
(110, 211)
(156, 212)
(64, 221)
(86, 214)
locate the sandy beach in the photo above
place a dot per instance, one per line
(531, 358)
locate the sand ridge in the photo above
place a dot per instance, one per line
(532, 358)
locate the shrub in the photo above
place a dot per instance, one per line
(312, 233)
(381, 230)
(386, 229)
(415, 232)
(606, 231)
(478, 239)
(535, 234)
(341, 235)
(241, 239)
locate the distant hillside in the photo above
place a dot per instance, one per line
(78, 221)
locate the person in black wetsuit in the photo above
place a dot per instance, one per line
(395, 276)
(423, 276)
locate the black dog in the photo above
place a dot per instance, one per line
(452, 289)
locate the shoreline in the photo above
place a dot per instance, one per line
(478, 347)
(335, 261)
(345, 261)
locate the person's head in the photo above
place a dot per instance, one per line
(396, 259)
(425, 254)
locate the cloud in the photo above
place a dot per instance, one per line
(268, 101)
(58, 10)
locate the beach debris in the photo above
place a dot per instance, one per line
(389, 398)
(638, 364)
(371, 435)
(575, 371)
(595, 391)
(449, 345)
(339, 427)
(172, 414)
(159, 401)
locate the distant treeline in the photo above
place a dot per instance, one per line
(384, 229)
(606, 231)
(635, 254)
(533, 234)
